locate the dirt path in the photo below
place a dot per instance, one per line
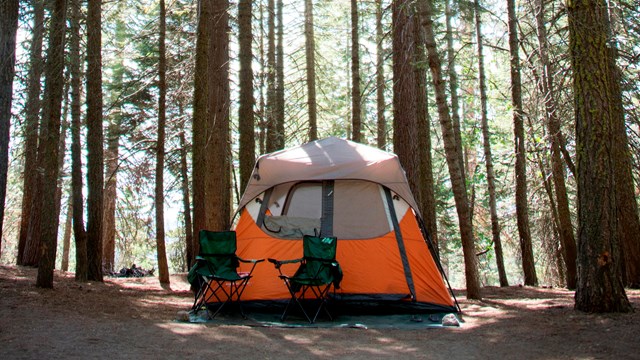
(135, 318)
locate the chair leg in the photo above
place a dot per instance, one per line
(219, 298)
(201, 297)
(320, 295)
(237, 293)
(295, 299)
(234, 294)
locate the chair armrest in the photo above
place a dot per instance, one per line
(279, 263)
(252, 261)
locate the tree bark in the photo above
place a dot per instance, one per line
(452, 156)
(262, 106)
(310, 49)
(66, 239)
(79, 232)
(453, 89)
(356, 99)
(279, 115)
(380, 81)
(54, 86)
(599, 287)
(95, 140)
(272, 127)
(218, 178)
(246, 127)
(8, 31)
(163, 266)
(522, 208)
(427, 196)
(405, 126)
(32, 112)
(186, 204)
(627, 207)
(200, 116)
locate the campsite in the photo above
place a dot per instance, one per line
(135, 318)
(275, 179)
(388, 265)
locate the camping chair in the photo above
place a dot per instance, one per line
(214, 277)
(317, 274)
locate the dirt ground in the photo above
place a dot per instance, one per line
(134, 318)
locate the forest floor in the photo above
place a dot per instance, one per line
(135, 318)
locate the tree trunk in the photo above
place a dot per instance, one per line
(599, 287)
(488, 158)
(427, 197)
(95, 140)
(522, 208)
(200, 116)
(405, 126)
(32, 116)
(218, 178)
(310, 50)
(31, 248)
(453, 88)
(188, 226)
(62, 149)
(54, 86)
(246, 127)
(279, 115)
(272, 128)
(163, 266)
(79, 232)
(356, 99)
(380, 81)
(627, 207)
(625, 191)
(452, 155)
(110, 193)
(565, 228)
(8, 31)
(66, 239)
(262, 107)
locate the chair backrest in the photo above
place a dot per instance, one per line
(219, 249)
(316, 247)
(318, 252)
(217, 243)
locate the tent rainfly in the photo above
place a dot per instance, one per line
(360, 194)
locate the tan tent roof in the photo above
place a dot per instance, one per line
(328, 159)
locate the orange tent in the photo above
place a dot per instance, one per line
(359, 194)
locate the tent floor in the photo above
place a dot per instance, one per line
(270, 317)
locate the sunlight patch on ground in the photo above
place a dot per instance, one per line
(479, 315)
(181, 328)
(392, 347)
(300, 340)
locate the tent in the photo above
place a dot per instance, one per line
(335, 187)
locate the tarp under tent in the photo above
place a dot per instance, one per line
(357, 193)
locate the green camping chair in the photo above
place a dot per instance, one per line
(317, 274)
(214, 278)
